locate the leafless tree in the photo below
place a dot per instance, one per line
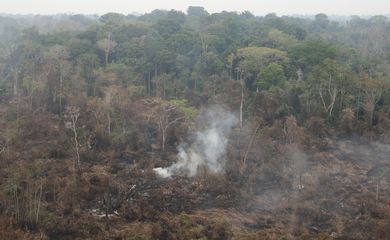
(378, 172)
(72, 114)
(165, 115)
(248, 149)
(166, 118)
(291, 130)
(107, 45)
(332, 91)
(373, 90)
(26, 198)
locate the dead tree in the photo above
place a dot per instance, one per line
(243, 162)
(165, 115)
(72, 114)
(378, 172)
(291, 130)
(107, 45)
(332, 91)
(373, 89)
(26, 197)
(242, 85)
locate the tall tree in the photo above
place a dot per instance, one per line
(107, 45)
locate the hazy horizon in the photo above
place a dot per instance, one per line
(280, 7)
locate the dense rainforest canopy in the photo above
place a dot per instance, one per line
(311, 67)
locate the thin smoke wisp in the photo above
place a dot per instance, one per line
(208, 148)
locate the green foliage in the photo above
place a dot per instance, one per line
(193, 11)
(112, 19)
(136, 91)
(271, 76)
(312, 52)
(77, 47)
(281, 40)
(87, 63)
(189, 111)
(23, 189)
(261, 55)
(209, 64)
(252, 60)
(171, 24)
(30, 85)
(195, 57)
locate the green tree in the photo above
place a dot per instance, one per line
(252, 60)
(271, 76)
(329, 81)
(107, 45)
(311, 52)
(281, 40)
(87, 64)
(207, 65)
(172, 23)
(195, 11)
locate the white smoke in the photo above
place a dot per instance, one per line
(209, 147)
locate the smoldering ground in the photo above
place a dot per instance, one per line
(312, 189)
(208, 147)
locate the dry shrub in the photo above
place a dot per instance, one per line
(369, 109)
(275, 131)
(140, 209)
(7, 232)
(23, 193)
(347, 120)
(57, 152)
(313, 217)
(366, 228)
(139, 231)
(383, 121)
(90, 156)
(316, 126)
(218, 230)
(218, 190)
(243, 235)
(185, 226)
(291, 129)
(75, 228)
(270, 106)
(293, 133)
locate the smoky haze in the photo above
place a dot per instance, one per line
(209, 146)
(346, 7)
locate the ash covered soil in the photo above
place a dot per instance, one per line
(341, 192)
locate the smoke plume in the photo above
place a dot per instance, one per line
(208, 147)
